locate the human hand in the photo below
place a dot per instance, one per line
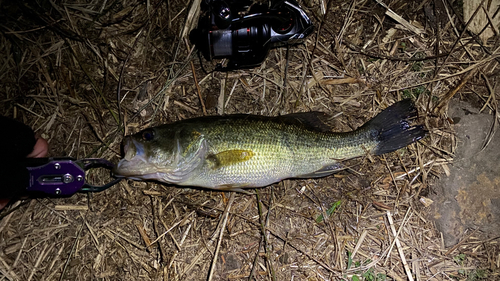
(39, 150)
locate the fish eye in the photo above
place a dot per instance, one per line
(148, 135)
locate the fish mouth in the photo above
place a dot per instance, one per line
(134, 164)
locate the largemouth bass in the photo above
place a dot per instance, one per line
(233, 152)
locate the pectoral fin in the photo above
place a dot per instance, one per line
(229, 157)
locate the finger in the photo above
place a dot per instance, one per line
(40, 149)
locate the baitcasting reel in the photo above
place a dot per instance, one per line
(243, 30)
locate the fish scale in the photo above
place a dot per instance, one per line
(243, 151)
(280, 150)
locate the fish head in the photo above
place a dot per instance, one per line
(161, 154)
(148, 154)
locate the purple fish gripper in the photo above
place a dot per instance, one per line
(59, 177)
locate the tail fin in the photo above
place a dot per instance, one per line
(391, 128)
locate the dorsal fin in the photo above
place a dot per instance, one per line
(313, 120)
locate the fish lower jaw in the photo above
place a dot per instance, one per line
(130, 166)
(152, 176)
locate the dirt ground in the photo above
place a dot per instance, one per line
(76, 71)
(469, 197)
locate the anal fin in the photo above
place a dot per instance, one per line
(323, 172)
(234, 187)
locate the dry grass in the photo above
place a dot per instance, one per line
(73, 70)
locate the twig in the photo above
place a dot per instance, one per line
(360, 242)
(287, 59)
(191, 18)
(143, 234)
(41, 256)
(166, 86)
(494, 105)
(334, 271)
(172, 227)
(452, 49)
(460, 243)
(121, 124)
(198, 89)
(309, 64)
(399, 19)
(72, 250)
(356, 48)
(447, 97)
(394, 181)
(7, 271)
(263, 227)
(470, 68)
(490, 21)
(154, 206)
(347, 22)
(474, 36)
(196, 83)
(30, 111)
(8, 215)
(180, 244)
(398, 244)
(221, 233)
